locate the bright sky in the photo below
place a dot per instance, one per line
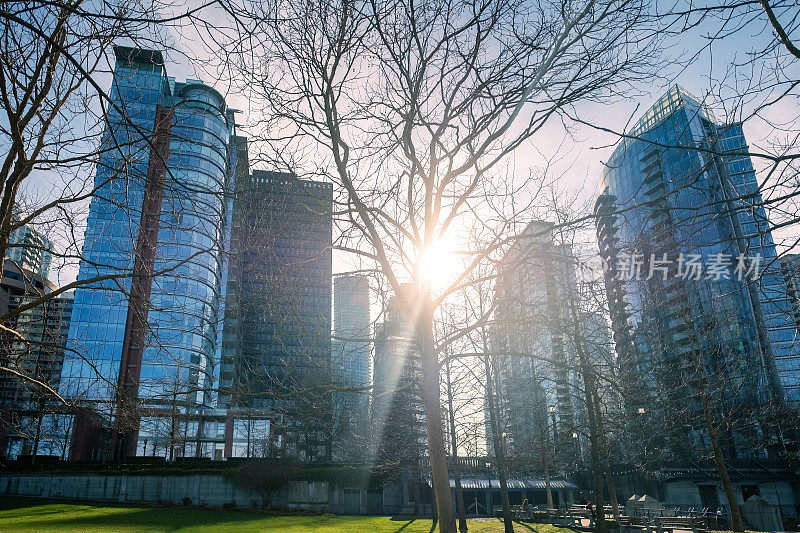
(578, 161)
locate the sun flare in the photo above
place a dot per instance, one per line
(439, 263)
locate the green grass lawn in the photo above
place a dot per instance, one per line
(24, 514)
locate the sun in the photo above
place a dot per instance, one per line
(439, 263)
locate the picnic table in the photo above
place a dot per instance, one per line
(695, 524)
(521, 512)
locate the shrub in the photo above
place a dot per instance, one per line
(230, 506)
(265, 476)
(186, 501)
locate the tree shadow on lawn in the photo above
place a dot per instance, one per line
(73, 515)
(48, 515)
(535, 526)
(408, 521)
(526, 526)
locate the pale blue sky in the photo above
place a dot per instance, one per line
(578, 163)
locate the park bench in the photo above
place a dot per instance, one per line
(557, 518)
(696, 525)
(579, 509)
(575, 515)
(629, 524)
(705, 523)
(633, 521)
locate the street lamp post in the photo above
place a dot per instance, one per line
(577, 448)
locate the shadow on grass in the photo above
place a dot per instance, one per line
(525, 525)
(27, 514)
(50, 515)
(408, 521)
(45, 507)
(536, 526)
(541, 528)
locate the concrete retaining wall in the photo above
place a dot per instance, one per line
(209, 490)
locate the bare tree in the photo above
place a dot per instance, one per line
(62, 127)
(265, 476)
(408, 108)
(451, 422)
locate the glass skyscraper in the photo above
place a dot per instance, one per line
(676, 196)
(351, 334)
(30, 250)
(276, 349)
(350, 358)
(535, 378)
(26, 410)
(398, 414)
(152, 260)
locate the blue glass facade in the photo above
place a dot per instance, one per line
(98, 322)
(398, 434)
(178, 353)
(184, 298)
(350, 359)
(772, 286)
(683, 188)
(351, 331)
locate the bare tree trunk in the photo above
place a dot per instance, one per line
(433, 418)
(547, 484)
(265, 501)
(612, 490)
(594, 438)
(599, 504)
(434, 514)
(38, 433)
(719, 459)
(593, 415)
(498, 447)
(172, 430)
(462, 515)
(415, 491)
(198, 444)
(548, 448)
